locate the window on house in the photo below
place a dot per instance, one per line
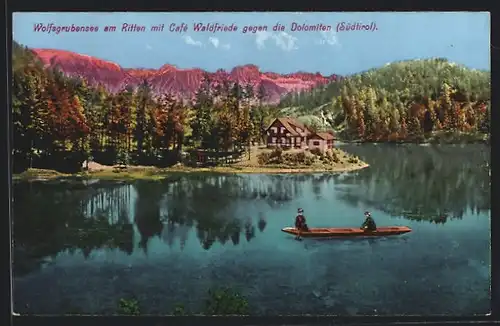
(316, 143)
(298, 139)
(273, 140)
(283, 140)
(282, 130)
(274, 129)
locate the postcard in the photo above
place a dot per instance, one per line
(251, 163)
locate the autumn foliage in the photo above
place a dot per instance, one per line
(59, 121)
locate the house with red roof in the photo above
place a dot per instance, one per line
(288, 132)
(321, 140)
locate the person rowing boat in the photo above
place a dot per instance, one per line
(369, 223)
(300, 223)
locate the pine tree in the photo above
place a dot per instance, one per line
(202, 124)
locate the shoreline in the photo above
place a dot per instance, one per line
(426, 143)
(438, 138)
(153, 173)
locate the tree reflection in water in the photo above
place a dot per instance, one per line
(53, 218)
(415, 182)
(412, 182)
(262, 222)
(148, 218)
(49, 219)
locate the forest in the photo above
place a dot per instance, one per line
(402, 101)
(60, 122)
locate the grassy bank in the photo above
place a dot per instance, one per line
(285, 163)
(153, 173)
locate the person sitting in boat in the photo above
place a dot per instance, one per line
(300, 222)
(369, 223)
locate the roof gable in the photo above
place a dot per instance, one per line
(285, 124)
(296, 123)
(291, 126)
(324, 135)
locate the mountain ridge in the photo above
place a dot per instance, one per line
(181, 82)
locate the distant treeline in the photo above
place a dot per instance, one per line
(402, 101)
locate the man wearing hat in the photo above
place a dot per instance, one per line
(369, 223)
(300, 222)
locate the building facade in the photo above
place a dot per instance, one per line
(290, 133)
(287, 132)
(321, 140)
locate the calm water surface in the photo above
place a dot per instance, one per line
(80, 248)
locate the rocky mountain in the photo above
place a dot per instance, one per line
(171, 79)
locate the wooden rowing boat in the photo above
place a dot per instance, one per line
(348, 232)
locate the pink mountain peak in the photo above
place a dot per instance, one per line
(170, 79)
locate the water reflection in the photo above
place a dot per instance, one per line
(47, 222)
(262, 222)
(433, 183)
(419, 183)
(51, 218)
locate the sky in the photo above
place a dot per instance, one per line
(461, 37)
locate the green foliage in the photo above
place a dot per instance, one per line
(333, 156)
(273, 157)
(179, 310)
(225, 302)
(280, 157)
(263, 158)
(308, 160)
(353, 159)
(329, 156)
(402, 101)
(276, 156)
(228, 117)
(316, 151)
(129, 307)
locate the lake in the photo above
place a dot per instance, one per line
(79, 248)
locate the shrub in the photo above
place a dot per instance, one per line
(263, 158)
(179, 310)
(316, 151)
(334, 156)
(129, 307)
(289, 158)
(353, 159)
(277, 152)
(295, 158)
(276, 156)
(309, 160)
(301, 157)
(225, 302)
